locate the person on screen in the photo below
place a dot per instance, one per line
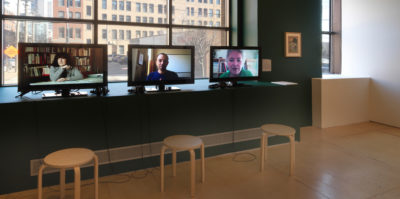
(162, 73)
(61, 69)
(234, 60)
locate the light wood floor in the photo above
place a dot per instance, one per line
(348, 162)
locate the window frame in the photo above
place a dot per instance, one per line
(96, 22)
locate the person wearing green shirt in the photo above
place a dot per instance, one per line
(234, 60)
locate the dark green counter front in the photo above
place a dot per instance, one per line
(32, 128)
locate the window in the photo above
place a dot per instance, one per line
(128, 34)
(121, 5)
(70, 33)
(104, 4)
(199, 1)
(121, 34)
(211, 2)
(121, 49)
(114, 4)
(78, 33)
(114, 34)
(61, 32)
(104, 34)
(160, 7)
(61, 14)
(89, 10)
(84, 27)
(331, 37)
(210, 12)
(128, 6)
(205, 23)
(138, 19)
(218, 2)
(137, 7)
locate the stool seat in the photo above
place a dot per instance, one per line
(182, 142)
(68, 158)
(278, 129)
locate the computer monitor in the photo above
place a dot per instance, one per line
(61, 67)
(160, 65)
(233, 64)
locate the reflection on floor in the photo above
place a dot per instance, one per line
(347, 162)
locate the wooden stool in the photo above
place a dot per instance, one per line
(277, 129)
(183, 142)
(70, 158)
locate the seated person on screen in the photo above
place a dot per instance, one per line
(61, 70)
(162, 73)
(234, 60)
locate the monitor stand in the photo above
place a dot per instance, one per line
(64, 93)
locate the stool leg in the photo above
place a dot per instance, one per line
(40, 177)
(96, 177)
(292, 154)
(77, 183)
(203, 166)
(262, 150)
(192, 172)
(62, 183)
(174, 162)
(162, 167)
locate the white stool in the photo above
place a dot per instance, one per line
(277, 129)
(70, 158)
(183, 142)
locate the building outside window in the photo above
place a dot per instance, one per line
(331, 37)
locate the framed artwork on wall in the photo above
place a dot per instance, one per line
(292, 44)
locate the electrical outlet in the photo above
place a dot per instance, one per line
(266, 65)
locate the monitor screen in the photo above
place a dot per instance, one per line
(160, 65)
(61, 66)
(234, 63)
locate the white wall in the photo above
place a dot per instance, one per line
(339, 101)
(371, 47)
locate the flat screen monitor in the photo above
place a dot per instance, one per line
(61, 67)
(232, 64)
(160, 65)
